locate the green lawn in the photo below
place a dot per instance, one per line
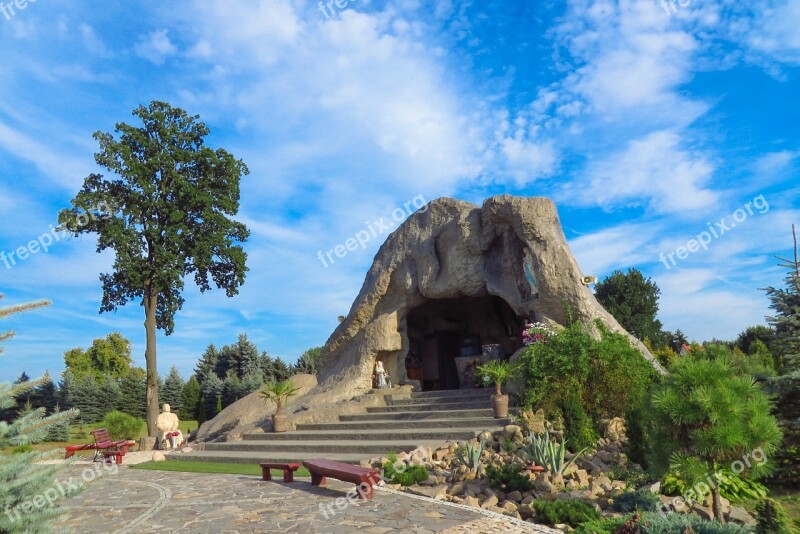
(212, 467)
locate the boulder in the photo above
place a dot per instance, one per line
(158, 456)
(434, 492)
(251, 410)
(740, 516)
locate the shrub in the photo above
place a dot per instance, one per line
(577, 425)
(771, 518)
(731, 486)
(122, 426)
(600, 526)
(642, 500)
(655, 523)
(508, 477)
(22, 449)
(572, 512)
(398, 472)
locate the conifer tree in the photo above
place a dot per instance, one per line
(786, 303)
(190, 401)
(22, 477)
(134, 392)
(173, 386)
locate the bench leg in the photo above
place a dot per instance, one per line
(365, 491)
(288, 475)
(119, 459)
(318, 480)
(266, 475)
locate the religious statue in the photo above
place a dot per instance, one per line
(381, 376)
(169, 435)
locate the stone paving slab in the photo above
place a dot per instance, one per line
(130, 500)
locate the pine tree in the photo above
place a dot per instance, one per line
(280, 370)
(786, 303)
(308, 363)
(190, 401)
(22, 477)
(171, 392)
(134, 393)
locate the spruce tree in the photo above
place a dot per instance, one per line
(22, 477)
(308, 363)
(134, 393)
(786, 303)
(207, 365)
(190, 401)
(171, 393)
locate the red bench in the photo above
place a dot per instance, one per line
(365, 478)
(288, 470)
(103, 446)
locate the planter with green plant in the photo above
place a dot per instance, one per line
(279, 393)
(497, 372)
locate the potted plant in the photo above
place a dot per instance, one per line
(279, 393)
(497, 372)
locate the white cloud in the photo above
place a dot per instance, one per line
(619, 247)
(156, 47)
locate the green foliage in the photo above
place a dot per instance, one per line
(571, 512)
(642, 500)
(636, 429)
(786, 305)
(577, 425)
(170, 393)
(495, 372)
(600, 526)
(633, 476)
(59, 431)
(633, 301)
(544, 451)
(279, 393)
(469, 454)
(672, 523)
(764, 334)
(22, 449)
(121, 425)
(508, 477)
(201, 412)
(605, 376)
(706, 414)
(732, 486)
(309, 362)
(508, 445)
(109, 356)
(23, 477)
(133, 388)
(190, 401)
(772, 518)
(398, 472)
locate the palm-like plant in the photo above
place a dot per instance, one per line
(497, 372)
(279, 393)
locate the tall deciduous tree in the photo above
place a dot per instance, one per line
(166, 214)
(109, 356)
(633, 301)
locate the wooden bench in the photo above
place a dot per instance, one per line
(288, 470)
(365, 478)
(103, 446)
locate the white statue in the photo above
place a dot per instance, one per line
(169, 432)
(380, 375)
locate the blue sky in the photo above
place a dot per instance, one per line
(648, 124)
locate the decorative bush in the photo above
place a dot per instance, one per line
(121, 425)
(771, 518)
(642, 500)
(508, 478)
(572, 512)
(731, 486)
(398, 472)
(578, 429)
(655, 523)
(600, 526)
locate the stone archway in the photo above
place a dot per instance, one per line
(445, 335)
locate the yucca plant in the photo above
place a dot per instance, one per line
(535, 447)
(496, 372)
(469, 454)
(542, 450)
(279, 393)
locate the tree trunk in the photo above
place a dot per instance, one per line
(716, 503)
(150, 303)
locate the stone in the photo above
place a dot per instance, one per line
(158, 456)
(451, 249)
(509, 431)
(515, 496)
(741, 516)
(613, 429)
(509, 506)
(542, 484)
(458, 488)
(435, 492)
(489, 502)
(581, 477)
(187, 449)
(703, 511)
(147, 443)
(528, 499)
(472, 501)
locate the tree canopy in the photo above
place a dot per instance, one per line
(633, 301)
(166, 214)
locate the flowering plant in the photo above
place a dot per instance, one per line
(536, 333)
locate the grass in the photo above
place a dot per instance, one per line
(81, 434)
(211, 467)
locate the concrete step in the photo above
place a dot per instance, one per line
(322, 447)
(239, 457)
(430, 407)
(391, 434)
(475, 423)
(437, 401)
(445, 393)
(418, 415)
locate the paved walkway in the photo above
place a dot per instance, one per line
(131, 500)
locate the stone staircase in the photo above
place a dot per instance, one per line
(426, 419)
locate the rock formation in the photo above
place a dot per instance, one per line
(511, 250)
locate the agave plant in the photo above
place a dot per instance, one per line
(542, 450)
(469, 454)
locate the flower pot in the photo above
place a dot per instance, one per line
(500, 405)
(279, 422)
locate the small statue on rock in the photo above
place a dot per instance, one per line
(381, 376)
